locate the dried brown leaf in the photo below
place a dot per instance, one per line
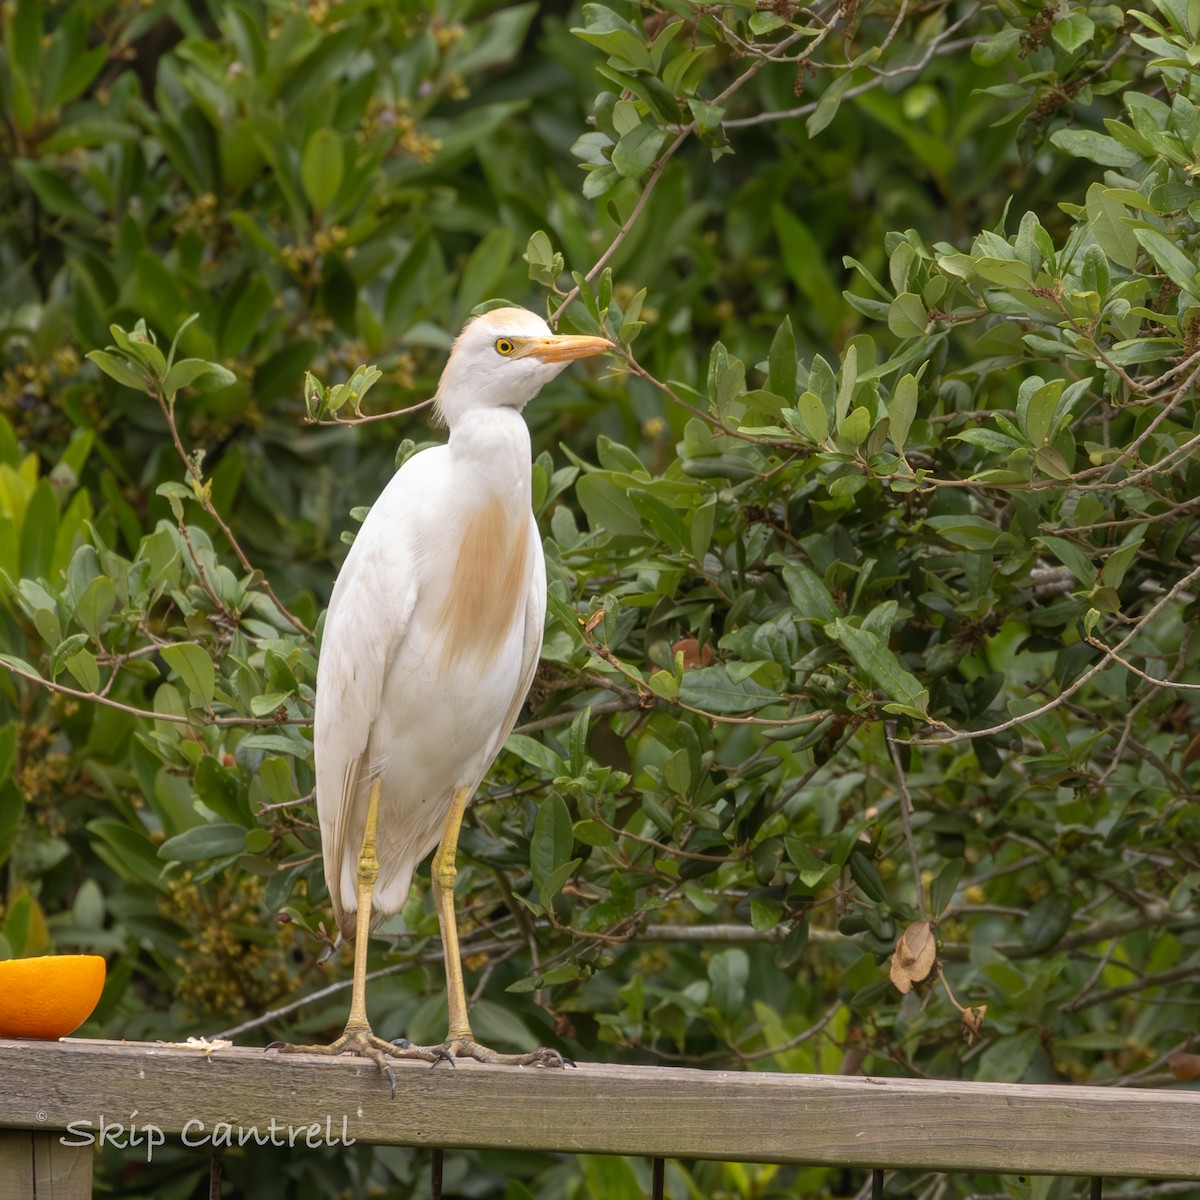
(1192, 753)
(972, 1020)
(1184, 1066)
(914, 956)
(694, 655)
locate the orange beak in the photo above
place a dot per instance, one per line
(563, 347)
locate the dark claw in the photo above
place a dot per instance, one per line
(391, 1078)
(443, 1055)
(568, 1062)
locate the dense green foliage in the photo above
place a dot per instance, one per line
(868, 698)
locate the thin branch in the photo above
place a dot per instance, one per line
(620, 704)
(964, 735)
(1160, 979)
(938, 47)
(167, 405)
(366, 420)
(344, 984)
(792, 1043)
(1109, 652)
(174, 718)
(657, 173)
(906, 816)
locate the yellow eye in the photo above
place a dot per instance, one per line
(504, 346)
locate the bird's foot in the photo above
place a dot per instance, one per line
(359, 1039)
(468, 1047)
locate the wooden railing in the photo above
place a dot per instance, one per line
(53, 1095)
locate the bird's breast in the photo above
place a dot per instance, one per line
(489, 582)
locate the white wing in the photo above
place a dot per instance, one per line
(392, 701)
(368, 616)
(531, 648)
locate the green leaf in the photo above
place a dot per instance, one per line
(1071, 556)
(711, 689)
(1180, 269)
(907, 316)
(217, 786)
(81, 69)
(187, 371)
(882, 666)
(805, 260)
(483, 275)
(26, 33)
(988, 439)
(809, 594)
(536, 754)
(765, 914)
(1047, 921)
(855, 428)
(666, 523)
(902, 409)
(127, 851)
(553, 883)
(599, 181)
(664, 685)
(119, 369)
(553, 837)
(55, 191)
(865, 873)
(194, 666)
(204, 842)
(606, 505)
(813, 416)
(1074, 30)
(1104, 151)
(971, 533)
(813, 872)
(82, 665)
(322, 167)
(728, 974)
(828, 104)
(635, 153)
(781, 362)
(1008, 1058)
(1106, 216)
(945, 882)
(39, 531)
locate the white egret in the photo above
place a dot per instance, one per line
(430, 644)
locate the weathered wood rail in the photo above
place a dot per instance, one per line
(53, 1093)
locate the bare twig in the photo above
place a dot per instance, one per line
(149, 714)
(366, 420)
(964, 735)
(906, 816)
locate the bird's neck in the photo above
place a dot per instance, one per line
(493, 445)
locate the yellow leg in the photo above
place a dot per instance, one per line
(445, 872)
(459, 1039)
(368, 872)
(357, 1038)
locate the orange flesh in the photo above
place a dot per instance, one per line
(48, 997)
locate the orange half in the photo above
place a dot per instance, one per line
(48, 997)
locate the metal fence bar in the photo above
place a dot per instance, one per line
(657, 1178)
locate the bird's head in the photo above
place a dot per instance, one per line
(503, 358)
